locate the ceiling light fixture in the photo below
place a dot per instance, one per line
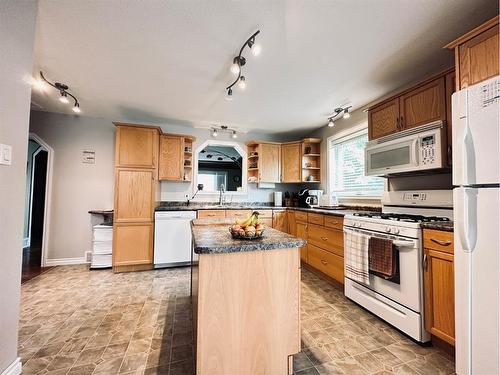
(63, 90)
(336, 113)
(216, 129)
(239, 61)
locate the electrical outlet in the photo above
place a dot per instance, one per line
(5, 154)
(88, 256)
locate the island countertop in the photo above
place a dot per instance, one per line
(212, 237)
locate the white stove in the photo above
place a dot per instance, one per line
(400, 221)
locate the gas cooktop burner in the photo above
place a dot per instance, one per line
(401, 217)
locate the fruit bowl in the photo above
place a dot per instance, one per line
(237, 236)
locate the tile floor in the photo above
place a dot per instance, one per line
(74, 321)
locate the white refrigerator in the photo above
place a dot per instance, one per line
(476, 179)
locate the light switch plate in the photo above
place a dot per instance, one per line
(5, 154)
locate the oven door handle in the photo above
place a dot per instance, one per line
(396, 242)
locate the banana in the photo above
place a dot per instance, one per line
(251, 220)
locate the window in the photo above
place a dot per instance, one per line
(212, 180)
(347, 167)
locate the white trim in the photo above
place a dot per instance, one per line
(26, 242)
(347, 133)
(48, 195)
(65, 261)
(14, 368)
(241, 151)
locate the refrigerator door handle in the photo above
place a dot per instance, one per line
(467, 219)
(468, 158)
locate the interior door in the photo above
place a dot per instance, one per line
(270, 162)
(383, 119)
(423, 105)
(291, 158)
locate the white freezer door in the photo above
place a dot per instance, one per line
(476, 134)
(477, 280)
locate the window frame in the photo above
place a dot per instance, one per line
(341, 137)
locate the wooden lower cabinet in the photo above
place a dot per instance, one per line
(439, 286)
(331, 240)
(292, 223)
(135, 244)
(328, 263)
(211, 214)
(238, 214)
(279, 221)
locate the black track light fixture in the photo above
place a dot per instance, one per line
(336, 113)
(239, 61)
(63, 90)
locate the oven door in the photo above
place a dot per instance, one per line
(399, 155)
(408, 291)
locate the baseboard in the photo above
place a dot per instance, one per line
(65, 261)
(14, 368)
(26, 242)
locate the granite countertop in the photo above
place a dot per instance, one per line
(212, 237)
(168, 206)
(438, 225)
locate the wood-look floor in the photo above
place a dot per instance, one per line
(75, 321)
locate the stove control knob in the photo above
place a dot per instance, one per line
(396, 230)
(388, 229)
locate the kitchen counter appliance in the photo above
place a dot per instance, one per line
(172, 243)
(476, 177)
(416, 149)
(403, 211)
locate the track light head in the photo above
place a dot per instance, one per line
(214, 133)
(346, 113)
(229, 95)
(242, 84)
(234, 135)
(76, 108)
(64, 97)
(331, 123)
(256, 49)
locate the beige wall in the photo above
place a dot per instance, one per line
(17, 27)
(78, 188)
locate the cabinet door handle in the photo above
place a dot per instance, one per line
(324, 262)
(425, 262)
(397, 124)
(441, 242)
(401, 123)
(324, 238)
(449, 154)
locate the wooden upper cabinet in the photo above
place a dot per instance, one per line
(171, 166)
(383, 119)
(423, 105)
(476, 54)
(291, 158)
(136, 147)
(134, 195)
(269, 162)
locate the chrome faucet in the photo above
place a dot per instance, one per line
(222, 190)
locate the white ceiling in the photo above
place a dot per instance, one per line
(167, 62)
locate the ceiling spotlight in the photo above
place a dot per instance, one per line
(214, 133)
(39, 84)
(346, 113)
(336, 113)
(220, 158)
(331, 124)
(229, 95)
(76, 108)
(234, 135)
(242, 84)
(256, 49)
(64, 97)
(235, 68)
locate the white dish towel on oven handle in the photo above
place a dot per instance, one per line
(356, 256)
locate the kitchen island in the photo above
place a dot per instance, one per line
(246, 300)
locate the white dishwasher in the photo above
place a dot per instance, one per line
(173, 238)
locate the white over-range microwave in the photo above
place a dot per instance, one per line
(417, 149)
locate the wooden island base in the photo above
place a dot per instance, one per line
(247, 312)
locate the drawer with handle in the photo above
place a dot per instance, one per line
(326, 262)
(265, 213)
(331, 240)
(335, 222)
(315, 218)
(217, 214)
(438, 240)
(301, 216)
(238, 214)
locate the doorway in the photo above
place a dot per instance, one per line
(37, 178)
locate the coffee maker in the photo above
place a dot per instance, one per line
(314, 198)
